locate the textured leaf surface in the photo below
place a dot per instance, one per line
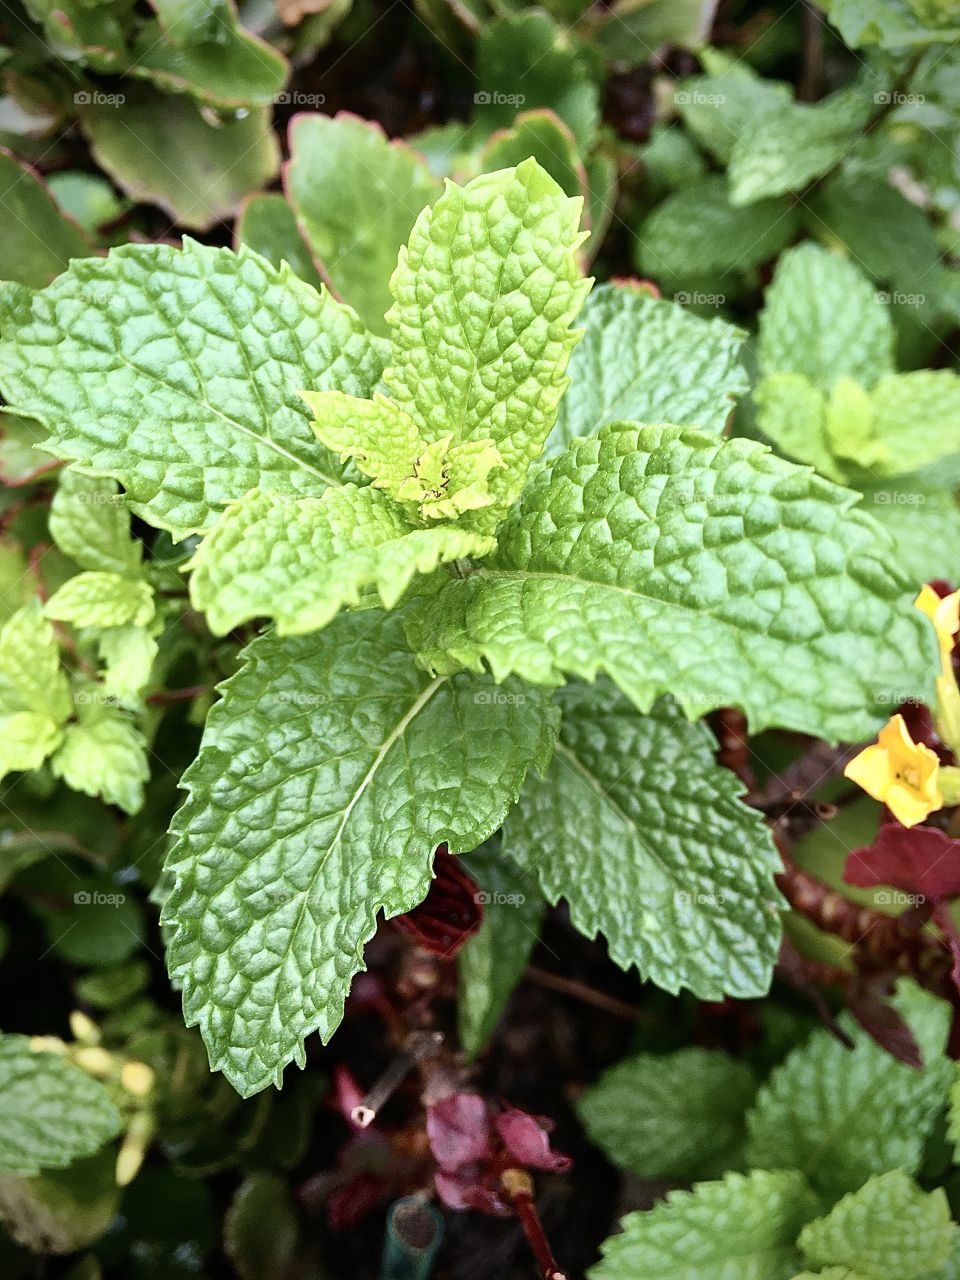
(842, 1116)
(328, 774)
(821, 318)
(642, 550)
(90, 522)
(101, 600)
(356, 196)
(104, 754)
(51, 1112)
(644, 360)
(300, 560)
(887, 1230)
(485, 294)
(642, 833)
(742, 1228)
(676, 1116)
(492, 962)
(34, 692)
(178, 372)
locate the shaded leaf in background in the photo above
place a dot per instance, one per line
(268, 226)
(37, 240)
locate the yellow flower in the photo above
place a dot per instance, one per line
(900, 772)
(944, 614)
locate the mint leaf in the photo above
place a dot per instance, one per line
(676, 1116)
(300, 560)
(492, 962)
(356, 196)
(792, 412)
(344, 767)
(782, 150)
(717, 109)
(888, 1230)
(842, 1116)
(217, 344)
(101, 600)
(648, 361)
(543, 135)
(923, 522)
(822, 318)
(104, 754)
(267, 225)
(697, 234)
(908, 421)
(34, 692)
(642, 550)
(51, 1112)
(128, 654)
(892, 24)
(639, 801)
(36, 240)
(486, 291)
(90, 522)
(742, 1228)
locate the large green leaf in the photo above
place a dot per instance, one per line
(842, 1116)
(637, 802)
(675, 562)
(887, 1230)
(356, 197)
(178, 372)
(677, 1116)
(328, 774)
(742, 1228)
(51, 1112)
(648, 361)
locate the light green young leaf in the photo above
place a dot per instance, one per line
(696, 233)
(26, 739)
(782, 150)
(492, 962)
(908, 421)
(328, 774)
(887, 1230)
(104, 754)
(639, 550)
(300, 560)
(128, 655)
(485, 294)
(792, 412)
(822, 318)
(842, 1116)
(645, 360)
(178, 373)
(30, 675)
(356, 196)
(90, 522)
(743, 1228)
(638, 801)
(102, 600)
(676, 1116)
(51, 1112)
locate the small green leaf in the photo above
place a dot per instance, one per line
(356, 196)
(217, 344)
(543, 135)
(742, 1228)
(90, 523)
(300, 561)
(37, 241)
(102, 600)
(51, 1112)
(893, 24)
(641, 549)
(719, 108)
(343, 767)
(822, 319)
(267, 225)
(492, 962)
(676, 1116)
(638, 801)
(887, 1230)
(648, 361)
(128, 654)
(104, 754)
(842, 1116)
(30, 675)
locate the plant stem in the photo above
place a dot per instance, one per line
(518, 1185)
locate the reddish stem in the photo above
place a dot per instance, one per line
(519, 1187)
(164, 696)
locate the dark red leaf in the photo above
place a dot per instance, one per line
(884, 1025)
(921, 862)
(451, 911)
(527, 1138)
(458, 1128)
(471, 1190)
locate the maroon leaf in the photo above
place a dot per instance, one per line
(471, 1190)
(458, 1128)
(884, 1025)
(450, 912)
(922, 862)
(527, 1138)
